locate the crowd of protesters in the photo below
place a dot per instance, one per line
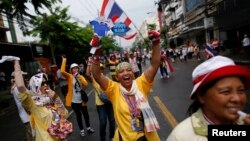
(121, 97)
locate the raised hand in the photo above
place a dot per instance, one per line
(95, 43)
(154, 36)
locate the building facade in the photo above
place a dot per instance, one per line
(200, 21)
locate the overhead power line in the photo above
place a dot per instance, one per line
(78, 20)
(91, 13)
(92, 5)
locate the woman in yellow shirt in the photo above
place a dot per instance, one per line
(44, 105)
(104, 107)
(129, 96)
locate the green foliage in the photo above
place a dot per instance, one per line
(108, 43)
(65, 37)
(151, 26)
(163, 32)
(54, 28)
(18, 9)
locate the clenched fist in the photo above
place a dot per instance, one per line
(95, 43)
(154, 36)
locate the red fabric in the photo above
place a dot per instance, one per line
(170, 66)
(95, 42)
(154, 36)
(223, 72)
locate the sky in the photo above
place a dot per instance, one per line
(136, 10)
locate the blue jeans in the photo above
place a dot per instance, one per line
(163, 70)
(106, 112)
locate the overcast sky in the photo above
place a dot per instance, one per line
(86, 10)
(136, 10)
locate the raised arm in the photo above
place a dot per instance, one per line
(97, 74)
(88, 71)
(63, 67)
(95, 60)
(19, 77)
(151, 71)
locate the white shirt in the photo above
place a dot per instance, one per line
(62, 79)
(76, 95)
(22, 113)
(133, 62)
(2, 76)
(246, 42)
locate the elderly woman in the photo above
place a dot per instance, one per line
(129, 97)
(45, 107)
(219, 94)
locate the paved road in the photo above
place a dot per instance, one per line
(169, 99)
(167, 95)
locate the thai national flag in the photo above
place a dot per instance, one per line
(210, 52)
(111, 10)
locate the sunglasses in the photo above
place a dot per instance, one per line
(44, 82)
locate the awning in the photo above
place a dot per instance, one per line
(192, 30)
(176, 36)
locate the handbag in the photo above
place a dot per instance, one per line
(103, 98)
(84, 95)
(59, 130)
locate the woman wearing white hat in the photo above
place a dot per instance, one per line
(76, 82)
(219, 96)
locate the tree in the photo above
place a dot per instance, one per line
(65, 37)
(164, 37)
(18, 9)
(59, 33)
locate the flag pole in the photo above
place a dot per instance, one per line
(131, 21)
(147, 45)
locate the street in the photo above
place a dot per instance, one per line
(169, 97)
(169, 100)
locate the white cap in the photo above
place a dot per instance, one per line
(215, 68)
(73, 65)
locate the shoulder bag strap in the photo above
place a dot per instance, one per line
(77, 82)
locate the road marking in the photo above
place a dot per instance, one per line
(167, 114)
(72, 110)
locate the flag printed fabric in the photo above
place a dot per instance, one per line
(210, 52)
(101, 26)
(111, 10)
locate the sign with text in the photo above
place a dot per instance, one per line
(119, 28)
(228, 132)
